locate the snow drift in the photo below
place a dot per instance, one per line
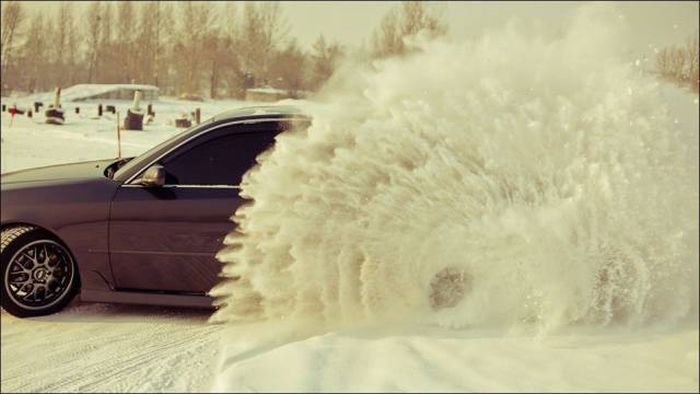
(514, 179)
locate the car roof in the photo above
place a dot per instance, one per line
(260, 111)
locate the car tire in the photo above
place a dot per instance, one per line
(39, 274)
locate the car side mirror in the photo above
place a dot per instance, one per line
(153, 177)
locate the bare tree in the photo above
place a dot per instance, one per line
(663, 60)
(250, 39)
(287, 69)
(12, 17)
(157, 37)
(94, 22)
(692, 51)
(324, 60)
(263, 29)
(195, 20)
(231, 46)
(213, 53)
(411, 18)
(274, 29)
(126, 30)
(146, 41)
(680, 63)
(178, 47)
(157, 20)
(387, 41)
(72, 65)
(59, 40)
(106, 72)
(34, 53)
(62, 46)
(677, 65)
(417, 17)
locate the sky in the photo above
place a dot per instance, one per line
(352, 22)
(655, 23)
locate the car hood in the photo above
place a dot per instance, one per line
(72, 171)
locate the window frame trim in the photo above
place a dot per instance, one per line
(203, 133)
(192, 186)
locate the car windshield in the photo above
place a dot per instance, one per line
(131, 166)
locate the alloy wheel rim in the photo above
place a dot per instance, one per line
(39, 275)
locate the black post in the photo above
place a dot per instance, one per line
(77, 110)
(99, 110)
(150, 109)
(197, 115)
(3, 108)
(182, 122)
(29, 113)
(37, 106)
(133, 120)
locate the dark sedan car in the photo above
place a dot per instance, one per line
(140, 230)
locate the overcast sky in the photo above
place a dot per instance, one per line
(352, 22)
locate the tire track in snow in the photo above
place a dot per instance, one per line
(99, 348)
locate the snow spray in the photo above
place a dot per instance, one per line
(512, 179)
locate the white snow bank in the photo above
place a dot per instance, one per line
(414, 358)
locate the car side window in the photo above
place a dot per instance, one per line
(220, 160)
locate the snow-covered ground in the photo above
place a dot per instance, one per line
(30, 142)
(422, 358)
(109, 348)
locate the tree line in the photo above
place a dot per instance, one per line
(196, 48)
(680, 63)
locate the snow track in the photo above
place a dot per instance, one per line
(109, 348)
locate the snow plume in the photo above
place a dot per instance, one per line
(514, 179)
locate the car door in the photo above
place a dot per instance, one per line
(165, 238)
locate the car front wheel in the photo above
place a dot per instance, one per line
(39, 275)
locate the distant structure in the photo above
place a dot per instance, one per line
(265, 94)
(113, 91)
(94, 91)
